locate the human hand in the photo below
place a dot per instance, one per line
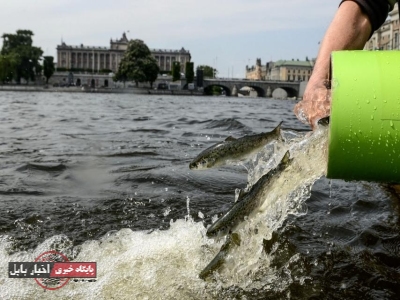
(316, 103)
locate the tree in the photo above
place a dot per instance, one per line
(151, 69)
(189, 74)
(137, 64)
(208, 71)
(8, 66)
(20, 44)
(176, 70)
(48, 67)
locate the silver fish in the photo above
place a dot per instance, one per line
(234, 149)
(231, 241)
(248, 201)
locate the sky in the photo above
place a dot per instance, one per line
(224, 34)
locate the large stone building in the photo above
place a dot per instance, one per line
(387, 36)
(290, 70)
(281, 70)
(96, 59)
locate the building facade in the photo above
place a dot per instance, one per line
(290, 70)
(387, 36)
(257, 72)
(97, 59)
(281, 70)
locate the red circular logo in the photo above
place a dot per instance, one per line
(52, 283)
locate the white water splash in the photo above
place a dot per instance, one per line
(286, 195)
(166, 264)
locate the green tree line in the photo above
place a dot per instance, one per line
(19, 59)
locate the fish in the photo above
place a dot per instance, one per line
(218, 261)
(247, 201)
(234, 149)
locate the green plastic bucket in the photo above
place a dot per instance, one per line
(364, 137)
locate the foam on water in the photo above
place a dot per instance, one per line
(166, 264)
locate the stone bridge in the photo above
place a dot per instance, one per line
(264, 88)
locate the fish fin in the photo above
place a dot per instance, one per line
(235, 237)
(286, 158)
(277, 131)
(240, 194)
(230, 139)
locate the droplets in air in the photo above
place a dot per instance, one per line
(187, 218)
(201, 215)
(166, 211)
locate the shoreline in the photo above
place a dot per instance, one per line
(140, 91)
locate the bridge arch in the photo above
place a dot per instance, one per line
(260, 91)
(264, 88)
(291, 92)
(208, 90)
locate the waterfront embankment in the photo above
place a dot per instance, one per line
(74, 89)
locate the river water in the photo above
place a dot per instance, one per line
(104, 178)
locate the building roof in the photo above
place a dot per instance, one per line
(123, 40)
(293, 63)
(80, 47)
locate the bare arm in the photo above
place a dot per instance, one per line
(349, 30)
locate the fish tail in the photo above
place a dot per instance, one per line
(219, 259)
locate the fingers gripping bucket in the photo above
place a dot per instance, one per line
(364, 134)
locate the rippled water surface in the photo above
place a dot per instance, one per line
(105, 178)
